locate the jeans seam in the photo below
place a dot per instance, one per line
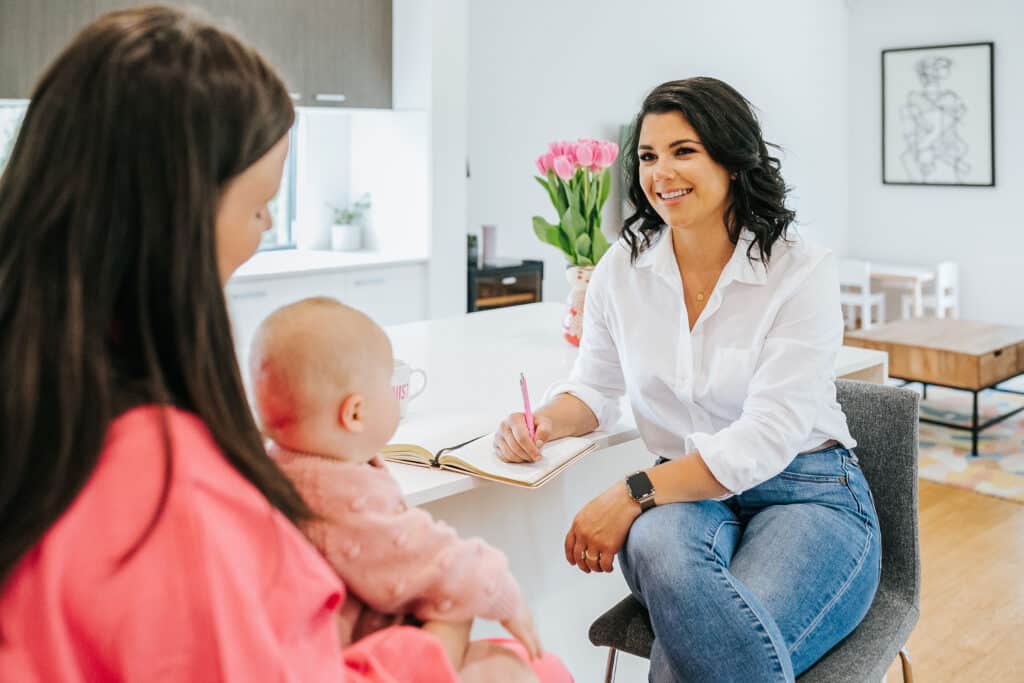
(865, 551)
(846, 483)
(724, 574)
(762, 631)
(714, 537)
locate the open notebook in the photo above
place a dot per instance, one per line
(476, 457)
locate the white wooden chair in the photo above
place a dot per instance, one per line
(946, 297)
(855, 295)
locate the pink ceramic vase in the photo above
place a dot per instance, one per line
(572, 325)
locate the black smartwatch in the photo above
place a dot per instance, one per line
(641, 490)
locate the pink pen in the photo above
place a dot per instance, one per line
(526, 405)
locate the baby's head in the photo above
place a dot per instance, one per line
(321, 378)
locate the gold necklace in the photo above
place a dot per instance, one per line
(701, 293)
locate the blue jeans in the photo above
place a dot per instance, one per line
(759, 586)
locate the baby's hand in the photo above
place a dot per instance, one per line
(521, 628)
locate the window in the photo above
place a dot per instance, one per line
(11, 113)
(282, 206)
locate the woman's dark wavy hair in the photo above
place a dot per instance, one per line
(731, 135)
(109, 288)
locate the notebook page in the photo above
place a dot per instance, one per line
(434, 433)
(480, 455)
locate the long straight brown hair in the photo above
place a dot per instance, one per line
(109, 289)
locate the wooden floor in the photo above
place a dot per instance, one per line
(972, 599)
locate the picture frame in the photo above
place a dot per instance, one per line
(938, 115)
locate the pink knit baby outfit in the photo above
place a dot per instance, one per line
(396, 559)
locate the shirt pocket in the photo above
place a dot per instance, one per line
(729, 373)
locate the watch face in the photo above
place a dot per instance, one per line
(639, 485)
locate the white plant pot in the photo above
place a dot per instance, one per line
(347, 237)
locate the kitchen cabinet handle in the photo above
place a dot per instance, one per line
(510, 280)
(329, 97)
(295, 96)
(370, 281)
(238, 296)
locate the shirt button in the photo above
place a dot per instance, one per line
(397, 588)
(352, 552)
(444, 605)
(358, 504)
(401, 540)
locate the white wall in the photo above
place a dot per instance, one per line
(981, 228)
(541, 71)
(344, 153)
(448, 120)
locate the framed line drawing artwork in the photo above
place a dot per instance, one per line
(938, 115)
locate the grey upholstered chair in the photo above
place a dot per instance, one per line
(883, 420)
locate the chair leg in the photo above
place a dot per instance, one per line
(609, 674)
(908, 671)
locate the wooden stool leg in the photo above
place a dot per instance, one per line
(908, 672)
(609, 674)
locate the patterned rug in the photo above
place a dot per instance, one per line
(998, 470)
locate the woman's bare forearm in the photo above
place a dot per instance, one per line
(684, 480)
(569, 416)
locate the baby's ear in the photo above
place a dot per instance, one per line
(350, 413)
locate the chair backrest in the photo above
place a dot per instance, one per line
(884, 421)
(947, 280)
(854, 275)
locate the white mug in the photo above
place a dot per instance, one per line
(401, 384)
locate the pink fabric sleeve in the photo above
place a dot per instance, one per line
(399, 559)
(400, 654)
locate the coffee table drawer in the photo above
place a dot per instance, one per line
(997, 365)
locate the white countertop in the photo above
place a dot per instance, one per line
(473, 363)
(285, 262)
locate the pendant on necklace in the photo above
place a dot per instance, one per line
(700, 296)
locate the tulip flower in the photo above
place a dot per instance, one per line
(578, 189)
(584, 154)
(564, 167)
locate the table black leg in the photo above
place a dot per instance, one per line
(974, 426)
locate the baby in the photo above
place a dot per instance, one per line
(321, 379)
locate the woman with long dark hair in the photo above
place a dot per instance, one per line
(753, 540)
(144, 533)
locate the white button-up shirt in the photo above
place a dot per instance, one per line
(751, 385)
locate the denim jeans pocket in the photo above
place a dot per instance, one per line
(819, 477)
(860, 489)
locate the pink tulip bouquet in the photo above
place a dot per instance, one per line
(577, 180)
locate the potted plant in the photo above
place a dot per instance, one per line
(347, 230)
(577, 180)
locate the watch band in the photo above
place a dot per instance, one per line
(641, 490)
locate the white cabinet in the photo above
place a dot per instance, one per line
(390, 294)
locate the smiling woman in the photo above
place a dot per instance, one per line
(722, 327)
(725, 158)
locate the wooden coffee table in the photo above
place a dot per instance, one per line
(958, 354)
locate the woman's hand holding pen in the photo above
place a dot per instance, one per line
(512, 442)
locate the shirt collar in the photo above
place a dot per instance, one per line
(660, 258)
